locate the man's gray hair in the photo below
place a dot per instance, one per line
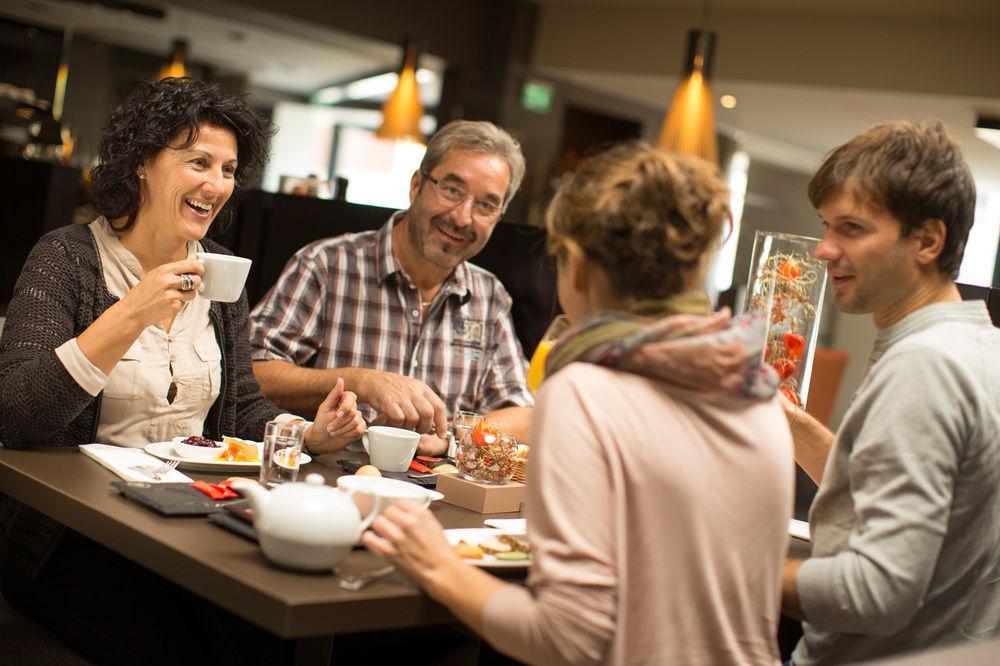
(480, 136)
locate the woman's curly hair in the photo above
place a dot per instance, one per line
(159, 113)
(648, 218)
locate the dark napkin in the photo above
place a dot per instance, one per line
(171, 499)
(352, 466)
(236, 519)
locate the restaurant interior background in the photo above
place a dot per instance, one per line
(791, 80)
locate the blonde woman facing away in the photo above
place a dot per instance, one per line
(657, 513)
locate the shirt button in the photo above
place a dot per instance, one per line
(415, 312)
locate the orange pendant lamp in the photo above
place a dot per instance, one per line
(178, 57)
(689, 126)
(402, 112)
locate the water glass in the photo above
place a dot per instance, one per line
(282, 452)
(460, 425)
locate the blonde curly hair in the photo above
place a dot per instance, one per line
(650, 219)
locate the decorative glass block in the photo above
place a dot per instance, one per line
(787, 282)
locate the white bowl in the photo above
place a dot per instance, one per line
(191, 452)
(387, 491)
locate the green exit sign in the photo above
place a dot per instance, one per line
(537, 96)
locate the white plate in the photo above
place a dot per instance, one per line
(166, 451)
(474, 536)
(382, 485)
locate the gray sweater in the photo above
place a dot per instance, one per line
(906, 524)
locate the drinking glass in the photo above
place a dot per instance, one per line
(536, 368)
(460, 425)
(282, 452)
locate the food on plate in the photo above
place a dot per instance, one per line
(513, 556)
(494, 546)
(468, 551)
(485, 454)
(500, 547)
(516, 543)
(196, 440)
(445, 469)
(368, 470)
(239, 450)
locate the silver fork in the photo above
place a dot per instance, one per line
(355, 582)
(156, 472)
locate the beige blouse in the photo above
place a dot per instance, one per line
(135, 409)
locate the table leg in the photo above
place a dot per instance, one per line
(313, 651)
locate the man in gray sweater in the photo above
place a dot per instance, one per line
(906, 523)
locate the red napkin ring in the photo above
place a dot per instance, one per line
(420, 467)
(216, 492)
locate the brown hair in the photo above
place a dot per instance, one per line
(913, 170)
(646, 217)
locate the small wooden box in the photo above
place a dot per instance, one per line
(480, 497)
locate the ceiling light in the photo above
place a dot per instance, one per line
(178, 57)
(727, 102)
(988, 129)
(689, 126)
(401, 113)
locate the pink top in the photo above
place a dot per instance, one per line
(658, 518)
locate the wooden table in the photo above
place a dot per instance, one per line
(217, 564)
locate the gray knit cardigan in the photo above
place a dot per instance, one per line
(60, 292)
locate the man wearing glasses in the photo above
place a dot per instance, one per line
(414, 329)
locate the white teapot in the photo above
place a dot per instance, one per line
(307, 526)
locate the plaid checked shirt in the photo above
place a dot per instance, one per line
(345, 302)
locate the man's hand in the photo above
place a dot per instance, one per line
(403, 402)
(812, 440)
(432, 445)
(338, 422)
(790, 604)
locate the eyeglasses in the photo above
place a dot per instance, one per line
(453, 195)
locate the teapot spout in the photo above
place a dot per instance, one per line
(253, 491)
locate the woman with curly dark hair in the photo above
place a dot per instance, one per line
(108, 340)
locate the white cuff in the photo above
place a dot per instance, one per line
(90, 378)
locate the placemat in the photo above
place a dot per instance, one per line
(352, 466)
(172, 499)
(228, 521)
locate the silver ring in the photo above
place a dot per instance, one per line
(187, 282)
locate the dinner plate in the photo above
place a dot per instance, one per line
(166, 451)
(380, 485)
(474, 536)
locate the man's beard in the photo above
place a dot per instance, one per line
(432, 249)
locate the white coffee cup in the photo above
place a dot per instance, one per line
(224, 276)
(390, 449)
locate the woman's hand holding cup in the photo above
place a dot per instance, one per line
(163, 291)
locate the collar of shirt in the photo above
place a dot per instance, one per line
(387, 265)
